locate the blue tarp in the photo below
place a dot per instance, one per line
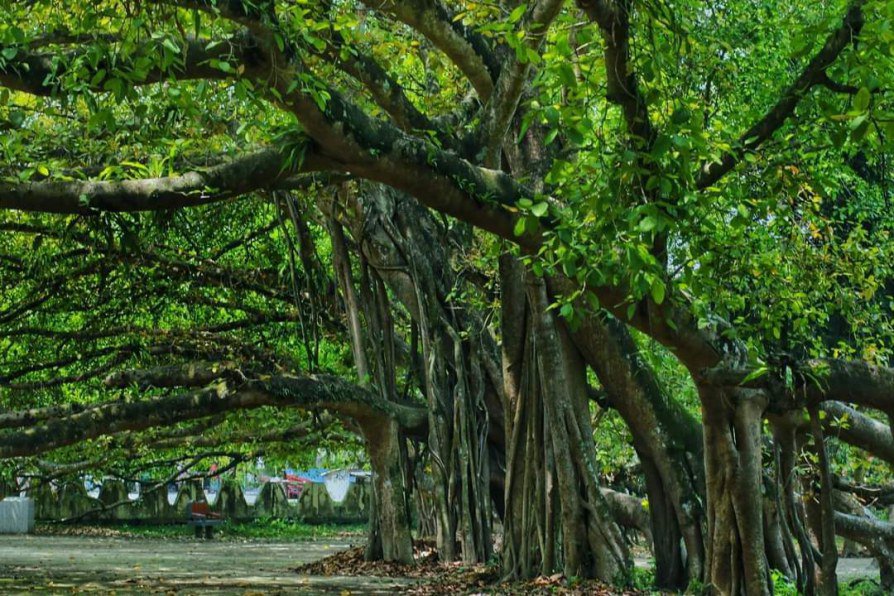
(314, 474)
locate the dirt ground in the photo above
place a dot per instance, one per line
(68, 564)
(62, 564)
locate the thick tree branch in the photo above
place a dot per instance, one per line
(192, 374)
(851, 381)
(41, 74)
(858, 429)
(117, 354)
(468, 50)
(622, 87)
(497, 113)
(854, 382)
(875, 535)
(311, 392)
(813, 74)
(380, 151)
(261, 170)
(874, 495)
(852, 525)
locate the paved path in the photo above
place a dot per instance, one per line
(62, 564)
(853, 568)
(66, 564)
(849, 569)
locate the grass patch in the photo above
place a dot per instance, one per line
(782, 586)
(260, 529)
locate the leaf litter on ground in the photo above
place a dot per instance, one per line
(436, 577)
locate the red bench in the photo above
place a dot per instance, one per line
(199, 514)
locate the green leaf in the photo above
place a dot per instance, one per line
(539, 209)
(170, 45)
(755, 374)
(563, 45)
(662, 144)
(861, 99)
(859, 131)
(532, 56)
(567, 310)
(516, 15)
(98, 77)
(575, 136)
(527, 119)
(566, 75)
(680, 116)
(657, 290)
(648, 223)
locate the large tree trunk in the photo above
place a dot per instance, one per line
(775, 539)
(736, 560)
(389, 537)
(822, 511)
(389, 532)
(792, 506)
(405, 247)
(556, 517)
(667, 440)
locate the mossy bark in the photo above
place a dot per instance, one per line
(556, 517)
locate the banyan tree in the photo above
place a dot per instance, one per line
(462, 232)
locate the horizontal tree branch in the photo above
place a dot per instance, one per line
(192, 374)
(852, 381)
(313, 392)
(42, 74)
(875, 495)
(859, 430)
(855, 382)
(851, 525)
(256, 171)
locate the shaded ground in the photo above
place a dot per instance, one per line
(66, 564)
(127, 565)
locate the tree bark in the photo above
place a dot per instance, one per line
(390, 537)
(404, 245)
(824, 512)
(667, 440)
(551, 461)
(736, 561)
